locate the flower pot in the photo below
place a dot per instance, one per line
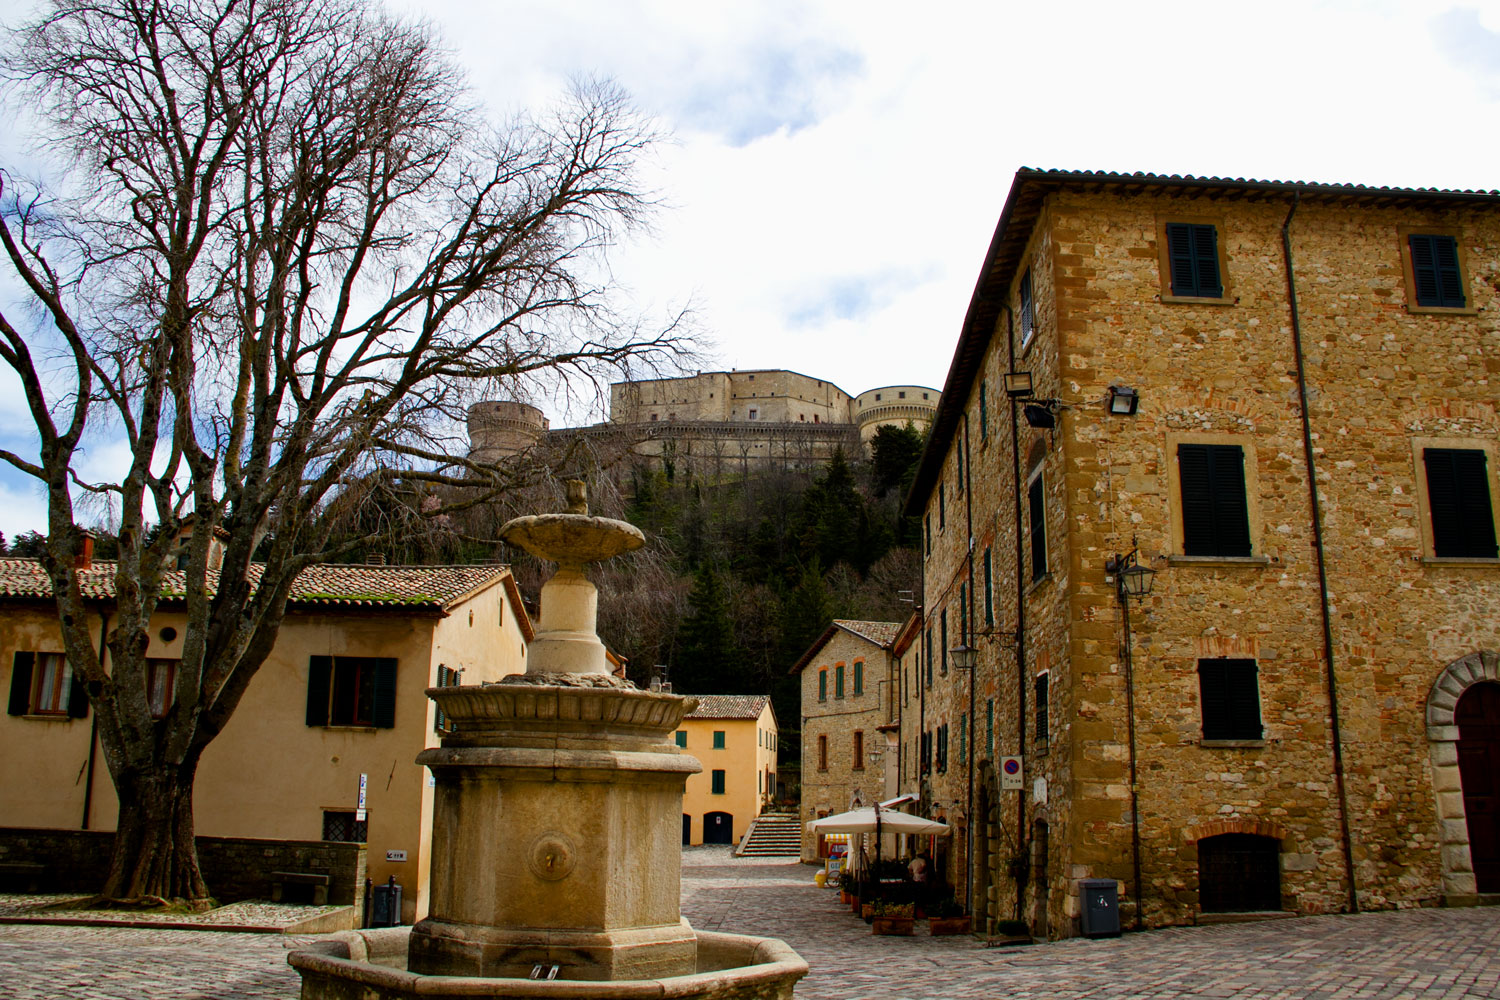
(845, 898)
(867, 910)
(940, 926)
(896, 926)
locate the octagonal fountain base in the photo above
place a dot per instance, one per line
(371, 965)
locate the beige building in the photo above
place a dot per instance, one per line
(1277, 401)
(340, 699)
(734, 737)
(849, 680)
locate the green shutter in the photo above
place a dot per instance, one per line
(319, 678)
(1230, 699)
(1037, 507)
(1458, 499)
(20, 683)
(1435, 271)
(78, 697)
(1215, 512)
(384, 715)
(859, 677)
(1193, 257)
(989, 590)
(822, 685)
(682, 738)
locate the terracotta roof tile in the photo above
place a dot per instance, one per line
(728, 706)
(329, 585)
(880, 633)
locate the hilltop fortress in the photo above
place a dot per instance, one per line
(712, 422)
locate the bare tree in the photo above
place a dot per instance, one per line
(290, 253)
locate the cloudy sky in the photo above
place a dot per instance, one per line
(837, 168)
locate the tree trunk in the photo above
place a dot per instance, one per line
(155, 855)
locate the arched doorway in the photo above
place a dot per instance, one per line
(1448, 739)
(1239, 872)
(1478, 719)
(718, 828)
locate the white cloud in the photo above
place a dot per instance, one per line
(839, 166)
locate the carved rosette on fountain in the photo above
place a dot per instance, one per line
(556, 828)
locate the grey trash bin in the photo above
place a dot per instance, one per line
(386, 905)
(1100, 899)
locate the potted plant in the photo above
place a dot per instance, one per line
(1008, 932)
(892, 918)
(846, 887)
(948, 917)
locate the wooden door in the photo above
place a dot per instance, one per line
(1239, 872)
(1478, 718)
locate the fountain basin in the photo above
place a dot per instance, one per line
(371, 965)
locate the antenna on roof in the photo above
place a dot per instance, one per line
(906, 597)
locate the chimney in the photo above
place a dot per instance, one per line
(84, 558)
(375, 559)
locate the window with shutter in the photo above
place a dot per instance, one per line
(1037, 516)
(1437, 278)
(1458, 501)
(1027, 310)
(859, 677)
(1229, 699)
(352, 691)
(823, 684)
(1041, 712)
(989, 589)
(1215, 511)
(1193, 255)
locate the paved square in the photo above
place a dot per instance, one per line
(1448, 954)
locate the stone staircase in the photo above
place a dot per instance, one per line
(772, 835)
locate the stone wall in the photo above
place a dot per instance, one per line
(235, 868)
(1382, 379)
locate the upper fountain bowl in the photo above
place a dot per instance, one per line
(572, 539)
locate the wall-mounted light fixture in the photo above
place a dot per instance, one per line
(1018, 385)
(1123, 401)
(964, 656)
(1040, 414)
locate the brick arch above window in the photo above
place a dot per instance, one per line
(1258, 827)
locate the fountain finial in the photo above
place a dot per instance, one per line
(578, 496)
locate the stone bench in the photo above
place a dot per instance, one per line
(25, 872)
(318, 884)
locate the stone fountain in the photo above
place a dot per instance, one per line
(556, 866)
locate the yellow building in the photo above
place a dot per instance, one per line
(734, 738)
(339, 700)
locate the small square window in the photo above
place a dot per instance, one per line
(1192, 261)
(1230, 699)
(1434, 270)
(340, 825)
(682, 738)
(718, 778)
(718, 739)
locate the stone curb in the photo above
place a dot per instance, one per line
(158, 925)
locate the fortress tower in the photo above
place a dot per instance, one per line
(500, 428)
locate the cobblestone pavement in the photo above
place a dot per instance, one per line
(1447, 954)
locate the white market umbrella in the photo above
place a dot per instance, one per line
(871, 820)
(876, 820)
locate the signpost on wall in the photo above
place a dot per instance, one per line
(1011, 774)
(359, 807)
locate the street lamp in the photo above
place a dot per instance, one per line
(1132, 580)
(964, 656)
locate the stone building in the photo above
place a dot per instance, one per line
(1277, 404)
(849, 722)
(713, 423)
(734, 737)
(341, 696)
